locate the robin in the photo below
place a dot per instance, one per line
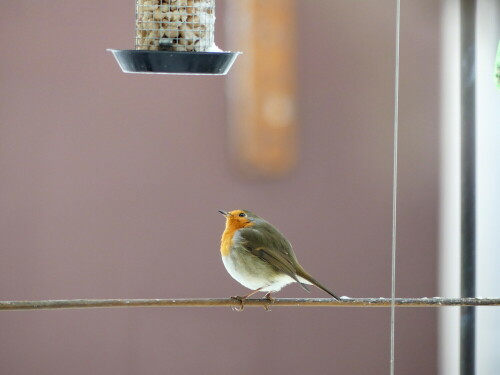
(259, 257)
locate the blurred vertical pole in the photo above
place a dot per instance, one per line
(468, 182)
(262, 105)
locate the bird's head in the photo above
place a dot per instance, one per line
(240, 218)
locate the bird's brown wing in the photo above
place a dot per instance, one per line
(273, 248)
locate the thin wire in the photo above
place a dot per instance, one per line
(433, 302)
(395, 183)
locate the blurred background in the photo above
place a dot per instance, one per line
(110, 186)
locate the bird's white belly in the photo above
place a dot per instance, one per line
(254, 274)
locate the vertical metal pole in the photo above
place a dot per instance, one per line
(468, 182)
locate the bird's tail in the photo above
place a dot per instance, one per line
(302, 273)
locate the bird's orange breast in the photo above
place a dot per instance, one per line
(226, 241)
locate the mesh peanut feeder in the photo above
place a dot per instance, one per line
(175, 37)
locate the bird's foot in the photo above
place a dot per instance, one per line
(242, 303)
(270, 299)
(244, 298)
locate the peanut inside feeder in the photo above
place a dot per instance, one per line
(175, 25)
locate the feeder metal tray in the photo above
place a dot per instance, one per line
(170, 62)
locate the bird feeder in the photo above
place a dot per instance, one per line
(175, 37)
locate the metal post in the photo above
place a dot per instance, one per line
(468, 183)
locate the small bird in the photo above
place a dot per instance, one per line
(259, 257)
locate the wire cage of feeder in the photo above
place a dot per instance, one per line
(175, 37)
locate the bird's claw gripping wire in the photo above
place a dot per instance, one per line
(242, 303)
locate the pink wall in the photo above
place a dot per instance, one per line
(110, 186)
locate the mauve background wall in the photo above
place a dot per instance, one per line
(110, 185)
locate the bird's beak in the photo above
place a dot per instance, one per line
(225, 213)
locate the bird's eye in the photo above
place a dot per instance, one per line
(242, 214)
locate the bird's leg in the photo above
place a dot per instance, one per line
(270, 299)
(243, 298)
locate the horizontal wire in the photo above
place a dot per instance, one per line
(204, 302)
